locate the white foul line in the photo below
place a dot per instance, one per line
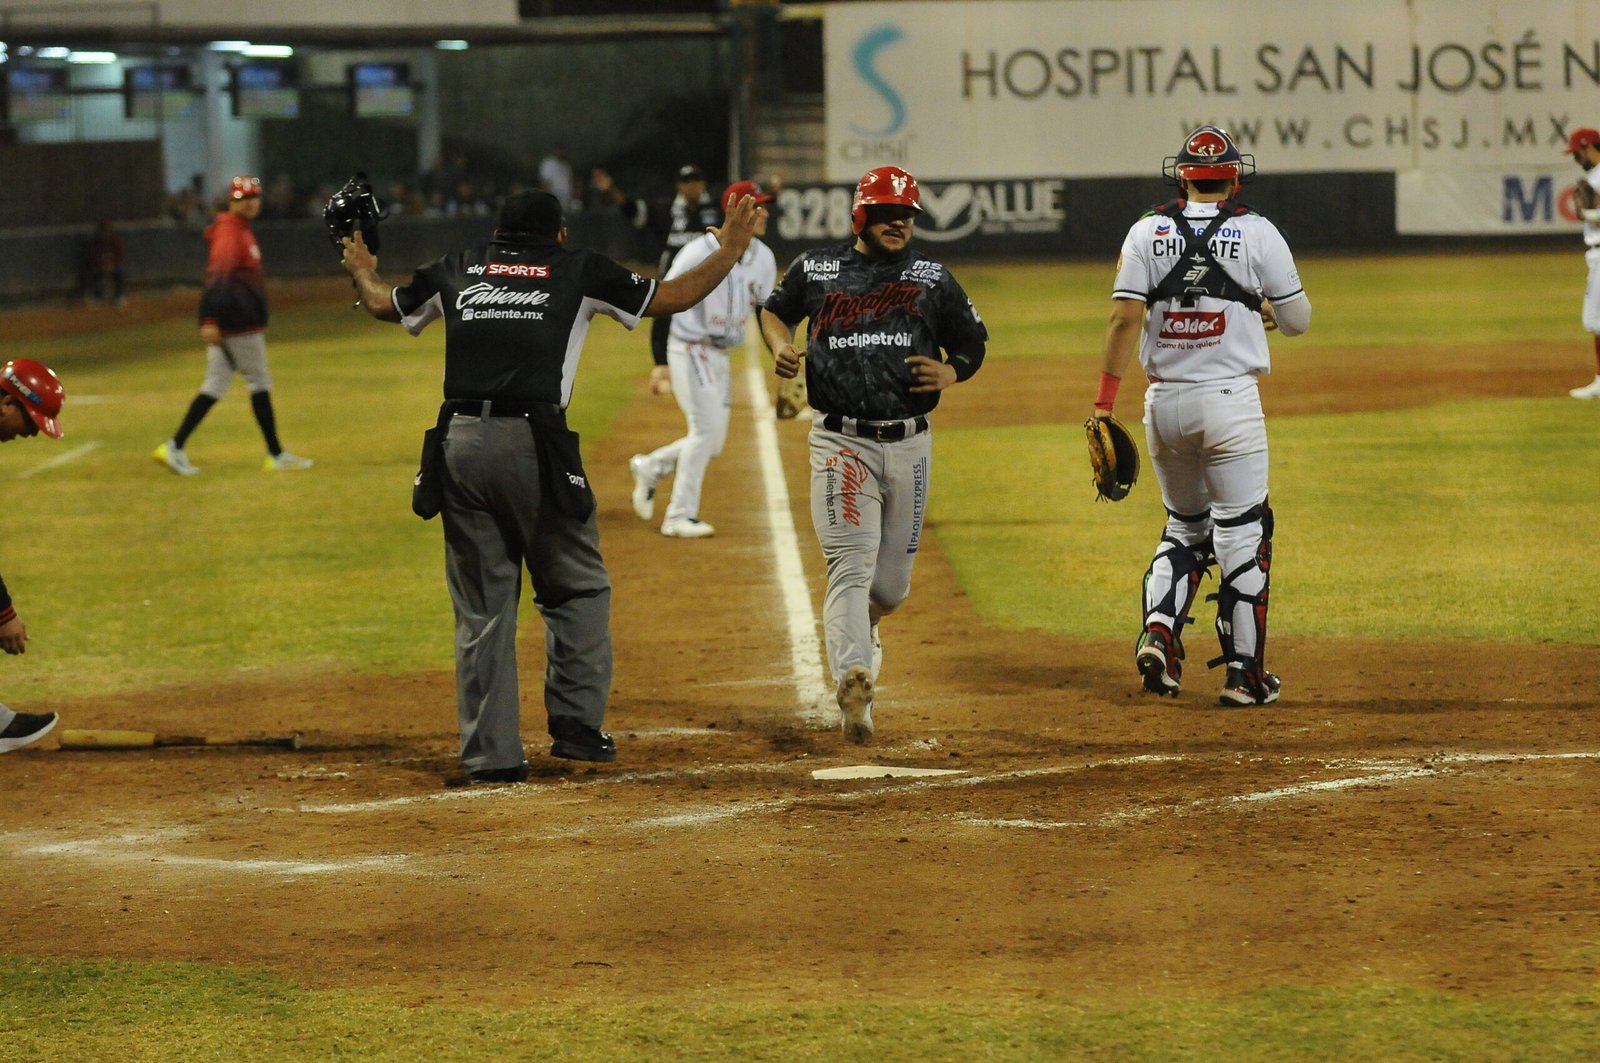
(59, 459)
(805, 655)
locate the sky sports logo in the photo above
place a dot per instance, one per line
(518, 269)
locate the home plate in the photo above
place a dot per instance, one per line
(880, 771)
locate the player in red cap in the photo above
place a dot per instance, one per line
(1584, 147)
(233, 322)
(699, 368)
(30, 403)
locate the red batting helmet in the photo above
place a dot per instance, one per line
(1209, 154)
(36, 387)
(244, 187)
(1582, 138)
(739, 189)
(885, 184)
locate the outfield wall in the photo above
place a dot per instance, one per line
(994, 219)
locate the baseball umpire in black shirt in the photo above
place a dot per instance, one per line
(512, 489)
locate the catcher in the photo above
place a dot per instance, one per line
(1200, 282)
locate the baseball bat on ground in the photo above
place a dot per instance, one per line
(91, 739)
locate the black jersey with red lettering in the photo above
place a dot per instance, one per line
(515, 315)
(867, 316)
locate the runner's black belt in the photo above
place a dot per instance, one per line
(882, 431)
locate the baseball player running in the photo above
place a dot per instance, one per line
(879, 314)
(702, 378)
(233, 322)
(1200, 281)
(1584, 147)
(30, 401)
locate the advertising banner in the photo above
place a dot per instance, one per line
(1098, 88)
(1482, 201)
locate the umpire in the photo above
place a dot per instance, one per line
(512, 488)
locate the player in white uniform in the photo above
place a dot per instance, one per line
(1584, 147)
(1200, 281)
(702, 378)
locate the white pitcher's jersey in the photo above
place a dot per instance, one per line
(1215, 338)
(719, 319)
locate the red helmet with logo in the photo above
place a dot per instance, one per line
(883, 185)
(36, 387)
(1209, 154)
(244, 187)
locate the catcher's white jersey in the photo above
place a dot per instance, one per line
(719, 319)
(1216, 338)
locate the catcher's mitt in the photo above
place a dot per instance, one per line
(1113, 458)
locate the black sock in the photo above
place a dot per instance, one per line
(197, 411)
(261, 403)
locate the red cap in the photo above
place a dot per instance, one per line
(739, 189)
(244, 187)
(1582, 138)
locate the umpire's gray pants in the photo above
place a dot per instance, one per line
(496, 519)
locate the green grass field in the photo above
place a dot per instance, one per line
(1402, 525)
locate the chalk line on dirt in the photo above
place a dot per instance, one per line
(805, 654)
(152, 847)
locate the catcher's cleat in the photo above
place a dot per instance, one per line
(1159, 661)
(1251, 685)
(644, 488)
(855, 704)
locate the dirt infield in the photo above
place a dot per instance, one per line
(1417, 812)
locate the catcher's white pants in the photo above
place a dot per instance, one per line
(1208, 443)
(702, 382)
(246, 355)
(1591, 292)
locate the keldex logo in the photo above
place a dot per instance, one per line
(1193, 325)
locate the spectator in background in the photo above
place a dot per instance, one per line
(555, 175)
(103, 259)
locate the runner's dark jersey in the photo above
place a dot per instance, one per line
(866, 319)
(515, 315)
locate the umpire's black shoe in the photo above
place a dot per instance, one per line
(25, 729)
(575, 740)
(497, 775)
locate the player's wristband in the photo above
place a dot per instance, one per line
(1108, 392)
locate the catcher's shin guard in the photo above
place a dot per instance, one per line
(1242, 598)
(1169, 590)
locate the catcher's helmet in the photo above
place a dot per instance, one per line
(354, 207)
(36, 387)
(885, 184)
(244, 187)
(1209, 154)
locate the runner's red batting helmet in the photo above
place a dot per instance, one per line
(1209, 154)
(244, 187)
(885, 184)
(36, 387)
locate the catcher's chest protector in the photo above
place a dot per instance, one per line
(1198, 272)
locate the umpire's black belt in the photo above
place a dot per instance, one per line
(498, 408)
(882, 431)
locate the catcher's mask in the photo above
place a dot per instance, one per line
(885, 184)
(354, 208)
(1209, 154)
(37, 388)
